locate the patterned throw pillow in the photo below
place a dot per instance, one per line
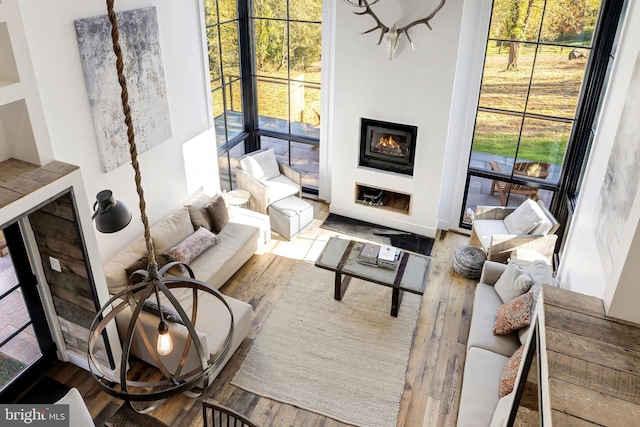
(513, 315)
(510, 372)
(151, 306)
(187, 250)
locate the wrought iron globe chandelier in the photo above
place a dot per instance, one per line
(155, 285)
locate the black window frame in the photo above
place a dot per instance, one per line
(250, 136)
(578, 145)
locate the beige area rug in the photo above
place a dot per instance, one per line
(343, 359)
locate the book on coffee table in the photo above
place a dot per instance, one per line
(388, 257)
(369, 254)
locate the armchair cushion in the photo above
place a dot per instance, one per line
(261, 165)
(485, 228)
(525, 218)
(280, 187)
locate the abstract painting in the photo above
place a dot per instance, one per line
(140, 44)
(622, 178)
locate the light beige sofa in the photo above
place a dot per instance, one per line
(245, 233)
(487, 354)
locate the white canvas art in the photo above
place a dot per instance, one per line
(622, 178)
(139, 41)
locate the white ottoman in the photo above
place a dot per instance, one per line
(290, 216)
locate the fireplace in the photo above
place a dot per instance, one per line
(387, 146)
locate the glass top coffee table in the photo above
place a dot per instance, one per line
(340, 255)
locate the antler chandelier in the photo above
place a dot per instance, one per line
(394, 33)
(163, 289)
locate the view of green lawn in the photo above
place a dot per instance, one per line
(555, 87)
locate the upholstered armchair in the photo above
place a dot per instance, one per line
(266, 180)
(501, 230)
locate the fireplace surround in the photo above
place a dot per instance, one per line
(387, 146)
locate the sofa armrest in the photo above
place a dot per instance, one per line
(256, 219)
(259, 193)
(554, 222)
(293, 175)
(502, 246)
(491, 272)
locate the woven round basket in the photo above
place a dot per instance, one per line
(468, 261)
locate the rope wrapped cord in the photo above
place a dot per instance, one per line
(133, 151)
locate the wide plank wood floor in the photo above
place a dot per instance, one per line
(434, 373)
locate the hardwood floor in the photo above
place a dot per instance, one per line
(434, 373)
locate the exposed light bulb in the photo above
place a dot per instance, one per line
(165, 344)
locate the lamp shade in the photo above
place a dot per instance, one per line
(110, 214)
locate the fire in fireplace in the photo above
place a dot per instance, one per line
(387, 146)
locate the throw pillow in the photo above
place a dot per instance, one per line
(525, 218)
(187, 250)
(199, 216)
(141, 264)
(172, 230)
(540, 273)
(513, 315)
(509, 291)
(151, 306)
(218, 213)
(508, 278)
(510, 372)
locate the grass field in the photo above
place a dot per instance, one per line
(273, 97)
(553, 85)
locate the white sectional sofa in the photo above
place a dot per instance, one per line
(487, 354)
(244, 233)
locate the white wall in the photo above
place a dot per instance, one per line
(415, 88)
(581, 267)
(468, 74)
(52, 40)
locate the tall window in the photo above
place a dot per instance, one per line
(536, 56)
(264, 57)
(222, 28)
